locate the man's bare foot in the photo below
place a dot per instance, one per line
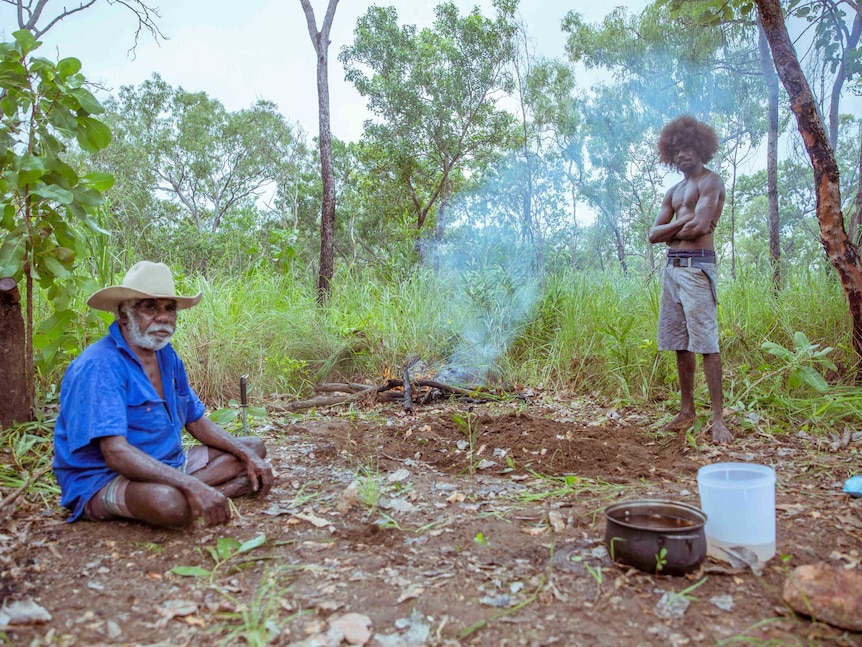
(236, 487)
(720, 433)
(681, 422)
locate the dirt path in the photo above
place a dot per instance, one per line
(386, 523)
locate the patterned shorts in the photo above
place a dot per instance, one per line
(688, 310)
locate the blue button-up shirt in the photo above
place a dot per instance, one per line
(106, 392)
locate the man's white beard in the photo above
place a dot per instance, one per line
(147, 339)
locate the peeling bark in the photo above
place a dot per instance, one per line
(840, 250)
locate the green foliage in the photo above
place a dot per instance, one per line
(469, 426)
(47, 209)
(30, 448)
(255, 623)
(800, 365)
(208, 160)
(590, 334)
(434, 94)
(660, 560)
(226, 549)
(45, 107)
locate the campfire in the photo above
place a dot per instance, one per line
(407, 388)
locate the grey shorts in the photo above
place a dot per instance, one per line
(110, 502)
(688, 310)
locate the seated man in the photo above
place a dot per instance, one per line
(123, 405)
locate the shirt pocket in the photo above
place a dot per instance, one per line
(148, 416)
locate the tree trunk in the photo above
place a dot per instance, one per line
(16, 402)
(837, 245)
(771, 79)
(855, 232)
(320, 40)
(841, 77)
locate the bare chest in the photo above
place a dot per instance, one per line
(151, 368)
(685, 196)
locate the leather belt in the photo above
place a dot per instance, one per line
(691, 262)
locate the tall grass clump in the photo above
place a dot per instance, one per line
(383, 324)
(271, 328)
(808, 320)
(594, 332)
(265, 325)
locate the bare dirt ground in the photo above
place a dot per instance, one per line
(392, 528)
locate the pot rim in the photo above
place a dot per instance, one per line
(692, 513)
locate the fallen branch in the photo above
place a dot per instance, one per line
(355, 391)
(474, 393)
(341, 387)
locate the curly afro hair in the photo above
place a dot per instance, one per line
(686, 132)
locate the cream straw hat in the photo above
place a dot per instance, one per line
(145, 280)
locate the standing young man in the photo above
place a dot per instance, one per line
(688, 312)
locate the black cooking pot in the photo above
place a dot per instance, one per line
(656, 536)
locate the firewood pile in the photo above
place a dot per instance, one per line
(408, 390)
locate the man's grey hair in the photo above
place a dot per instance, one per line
(125, 306)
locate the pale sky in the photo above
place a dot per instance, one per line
(238, 51)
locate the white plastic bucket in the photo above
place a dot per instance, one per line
(739, 502)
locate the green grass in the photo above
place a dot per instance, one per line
(585, 333)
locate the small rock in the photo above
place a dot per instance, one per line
(349, 498)
(411, 593)
(354, 626)
(826, 593)
(24, 612)
(456, 497)
(397, 505)
(500, 601)
(557, 521)
(671, 606)
(398, 475)
(723, 602)
(113, 629)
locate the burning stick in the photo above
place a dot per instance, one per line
(405, 379)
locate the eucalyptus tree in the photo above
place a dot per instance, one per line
(434, 95)
(798, 232)
(624, 182)
(842, 253)
(835, 58)
(830, 44)
(320, 40)
(549, 143)
(771, 80)
(557, 114)
(205, 159)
